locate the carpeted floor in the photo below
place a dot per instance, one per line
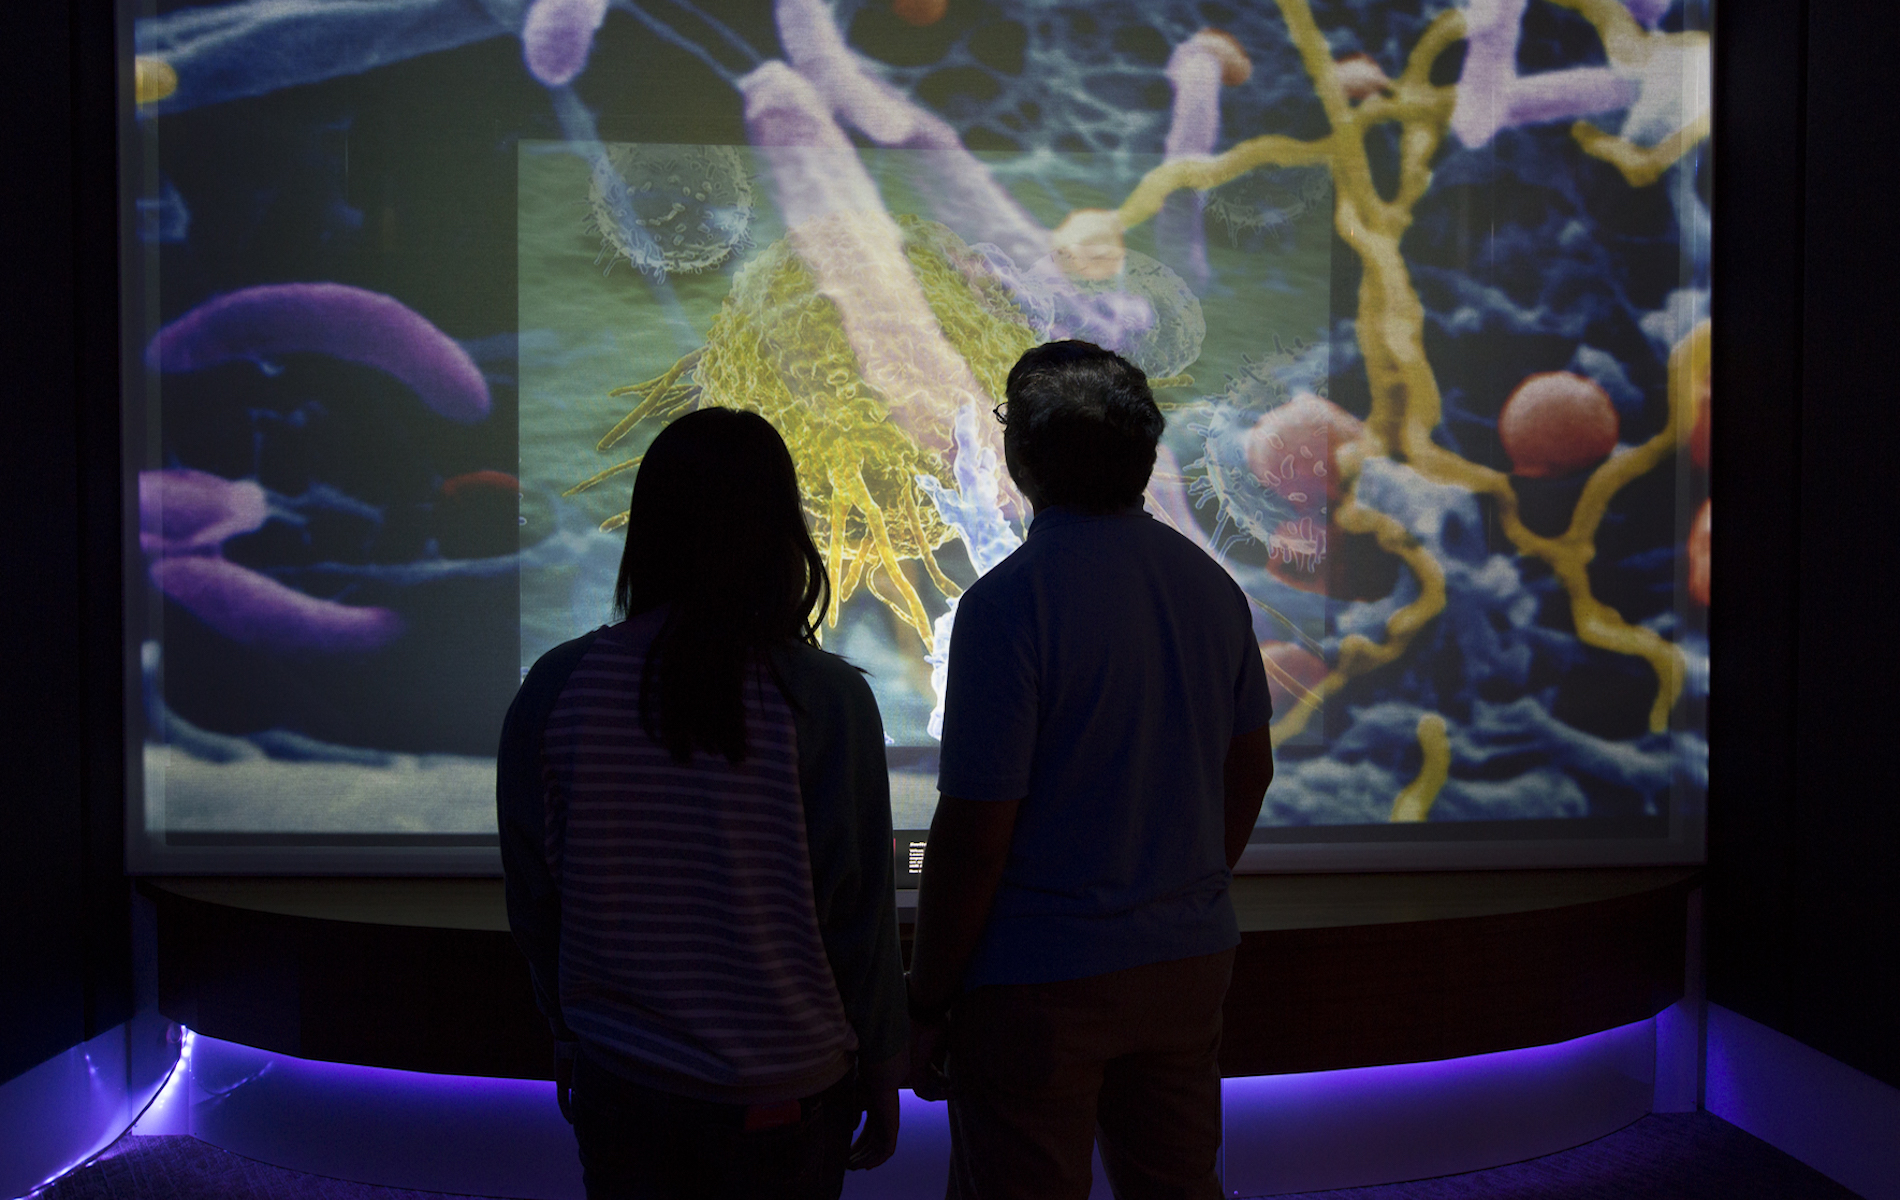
(1672, 1156)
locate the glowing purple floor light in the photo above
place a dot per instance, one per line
(484, 1136)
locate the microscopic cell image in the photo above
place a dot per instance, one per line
(1421, 288)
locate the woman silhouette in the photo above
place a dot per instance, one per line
(696, 833)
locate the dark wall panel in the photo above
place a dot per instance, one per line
(1803, 894)
(1846, 916)
(65, 943)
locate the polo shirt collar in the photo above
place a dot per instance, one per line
(1058, 515)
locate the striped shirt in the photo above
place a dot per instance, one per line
(690, 950)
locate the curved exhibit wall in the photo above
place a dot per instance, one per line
(484, 1136)
(70, 1107)
(410, 285)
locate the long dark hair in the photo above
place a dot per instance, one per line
(716, 533)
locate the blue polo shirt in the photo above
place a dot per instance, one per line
(1098, 674)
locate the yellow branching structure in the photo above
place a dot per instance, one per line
(1414, 801)
(778, 347)
(1391, 323)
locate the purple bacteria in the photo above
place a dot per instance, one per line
(186, 516)
(345, 322)
(256, 610)
(557, 37)
(185, 512)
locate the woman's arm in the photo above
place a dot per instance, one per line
(846, 787)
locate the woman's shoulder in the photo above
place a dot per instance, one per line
(551, 670)
(569, 652)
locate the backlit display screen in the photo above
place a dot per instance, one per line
(1422, 289)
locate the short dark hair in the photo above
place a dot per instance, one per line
(1083, 422)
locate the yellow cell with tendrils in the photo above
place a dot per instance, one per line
(778, 348)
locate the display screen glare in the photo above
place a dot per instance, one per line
(1422, 289)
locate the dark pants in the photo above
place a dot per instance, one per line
(637, 1143)
(1039, 1072)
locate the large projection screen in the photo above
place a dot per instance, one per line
(1422, 287)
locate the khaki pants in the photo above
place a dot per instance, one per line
(1039, 1072)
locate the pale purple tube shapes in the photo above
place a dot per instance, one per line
(855, 253)
(1493, 96)
(963, 193)
(557, 36)
(327, 318)
(1194, 69)
(815, 168)
(186, 516)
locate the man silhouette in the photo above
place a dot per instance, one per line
(1105, 756)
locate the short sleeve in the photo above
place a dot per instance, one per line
(1253, 702)
(990, 699)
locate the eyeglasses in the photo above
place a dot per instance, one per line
(1001, 413)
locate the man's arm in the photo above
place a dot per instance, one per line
(963, 867)
(1245, 776)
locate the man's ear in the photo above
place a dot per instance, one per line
(1024, 479)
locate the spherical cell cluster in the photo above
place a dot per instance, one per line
(1293, 450)
(1225, 472)
(694, 203)
(1264, 204)
(1557, 422)
(1173, 342)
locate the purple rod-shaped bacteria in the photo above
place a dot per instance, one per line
(344, 322)
(188, 512)
(256, 610)
(186, 516)
(557, 37)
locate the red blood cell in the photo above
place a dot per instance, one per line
(1292, 672)
(481, 481)
(920, 12)
(1555, 423)
(1360, 76)
(1699, 556)
(1699, 435)
(1292, 450)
